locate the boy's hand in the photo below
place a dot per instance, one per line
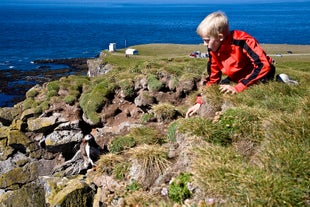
(227, 89)
(192, 110)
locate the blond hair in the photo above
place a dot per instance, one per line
(214, 24)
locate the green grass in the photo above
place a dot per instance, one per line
(255, 154)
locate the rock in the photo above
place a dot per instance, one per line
(5, 151)
(8, 114)
(68, 125)
(31, 194)
(144, 98)
(18, 125)
(4, 132)
(61, 141)
(67, 192)
(96, 67)
(28, 113)
(172, 84)
(18, 139)
(185, 87)
(17, 176)
(42, 124)
(141, 84)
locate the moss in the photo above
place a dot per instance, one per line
(171, 132)
(121, 143)
(51, 93)
(178, 190)
(146, 117)
(121, 170)
(29, 103)
(32, 93)
(153, 83)
(92, 101)
(147, 135)
(127, 87)
(28, 195)
(18, 176)
(75, 193)
(53, 86)
(70, 99)
(164, 112)
(213, 133)
(16, 137)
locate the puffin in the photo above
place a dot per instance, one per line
(90, 150)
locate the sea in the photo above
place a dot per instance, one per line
(35, 31)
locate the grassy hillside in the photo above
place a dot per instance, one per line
(255, 153)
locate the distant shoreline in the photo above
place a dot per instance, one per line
(16, 83)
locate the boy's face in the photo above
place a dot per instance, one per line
(213, 43)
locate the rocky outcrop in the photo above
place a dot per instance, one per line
(15, 83)
(97, 67)
(40, 156)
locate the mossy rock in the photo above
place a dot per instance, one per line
(4, 132)
(8, 114)
(15, 176)
(31, 194)
(18, 138)
(75, 193)
(5, 150)
(41, 124)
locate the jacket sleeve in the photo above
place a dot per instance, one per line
(259, 60)
(215, 74)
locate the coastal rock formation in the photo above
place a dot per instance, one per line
(41, 163)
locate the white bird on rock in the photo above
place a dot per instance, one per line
(90, 150)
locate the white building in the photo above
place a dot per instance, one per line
(131, 51)
(112, 47)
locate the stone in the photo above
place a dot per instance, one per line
(144, 98)
(42, 124)
(18, 138)
(67, 192)
(28, 113)
(7, 115)
(63, 137)
(4, 132)
(26, 174)
(31, 194)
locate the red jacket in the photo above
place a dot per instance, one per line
(241, 59)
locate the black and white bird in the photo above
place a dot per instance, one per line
(284, 78)
(90, 150)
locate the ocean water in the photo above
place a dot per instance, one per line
(46, 31)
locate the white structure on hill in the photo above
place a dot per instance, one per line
(112, 47)
(131, 51)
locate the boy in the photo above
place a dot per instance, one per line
(233, 53)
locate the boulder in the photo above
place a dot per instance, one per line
(96, 67)
(16, 137)
(144, 98)
(18, 176)
(5, 151)
(42, 124)
(64, 140)
(67, 192)
(185, 87)
(28, 113)
(4, 132)
(31, 194)
(8, 114)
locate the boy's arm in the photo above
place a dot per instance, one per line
(260, 62)
(215, 74)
